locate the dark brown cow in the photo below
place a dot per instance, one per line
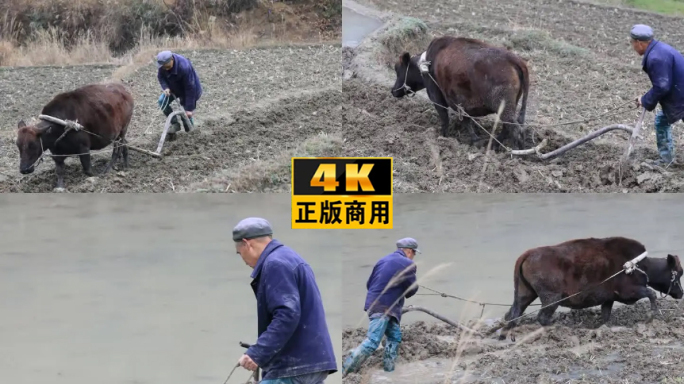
(556, 272)
(471, 73)
(104, 111)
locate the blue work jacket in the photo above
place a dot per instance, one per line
(665, 67)
(182, 80)
(384, 270)
(293, 333)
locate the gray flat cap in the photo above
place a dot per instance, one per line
(408, 242)
(251, 227)
(641, 32)
(163, 57)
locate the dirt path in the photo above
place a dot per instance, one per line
(259, 106)
(571, 351)
(580, 67)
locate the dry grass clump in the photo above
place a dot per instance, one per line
(61, 32)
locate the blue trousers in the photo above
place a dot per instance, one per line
(664, 137)
(164, 103)
(380, 325)
(309, 378)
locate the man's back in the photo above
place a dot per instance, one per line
(665, 68)
(384, 272)
(183, 81)
(286, 284)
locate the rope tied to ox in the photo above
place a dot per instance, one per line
(449, 296)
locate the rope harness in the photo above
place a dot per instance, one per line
(673, 282)
(405, 86)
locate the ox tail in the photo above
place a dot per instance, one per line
(524, 76)
(519, 278)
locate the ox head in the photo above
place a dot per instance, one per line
(29, 142)
(669, 280)
(409, 80)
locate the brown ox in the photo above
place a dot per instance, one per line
(104, 111)
(555, 272)
(473, 74)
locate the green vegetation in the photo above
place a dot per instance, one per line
(668, 7)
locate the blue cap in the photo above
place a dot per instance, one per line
(408, 242)
(641, 32)
(250, 228)
(163, 57)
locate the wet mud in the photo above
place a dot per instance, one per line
(572, 350)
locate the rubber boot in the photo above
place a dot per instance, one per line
(664, 140)
(390, 356)
(355, 360)
(185, 125)
(171, 134)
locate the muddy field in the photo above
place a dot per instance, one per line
(572, 350)
(259, 107)
(581, 66)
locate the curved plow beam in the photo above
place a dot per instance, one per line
(576, 143)
(167, 125)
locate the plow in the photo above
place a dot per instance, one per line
(633, 131)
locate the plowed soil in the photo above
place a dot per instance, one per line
(581, 66)
(259, 107)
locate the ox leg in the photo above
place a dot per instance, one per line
(59, 170)
(545, 315)
(115, 155)
(438, 101)
(124, 152)
(509, 129)
(471, 130)
(606, 308)
(85, 163)
(444, 117)
(646, 292)
(524, 297)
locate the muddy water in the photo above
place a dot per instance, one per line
(480, 237)
(356, 26)
(138, 288)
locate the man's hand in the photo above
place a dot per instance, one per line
(638, 102)
(247, 363)
(167, 92)
(188, 113)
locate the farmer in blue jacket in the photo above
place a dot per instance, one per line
(294, 346)
(390, 282)
(665, 67)
(177, 78)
